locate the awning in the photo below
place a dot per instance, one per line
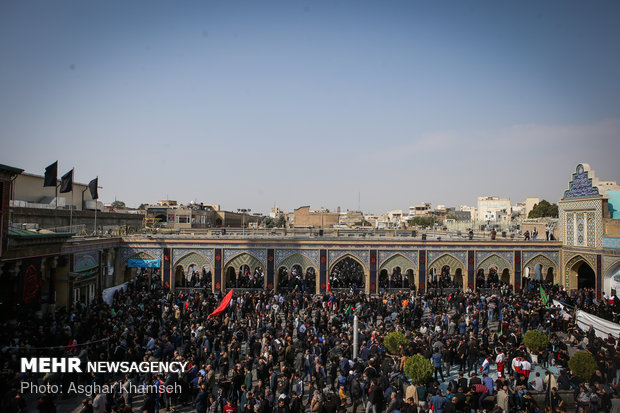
(138, 263)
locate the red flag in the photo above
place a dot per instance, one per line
(220, 309)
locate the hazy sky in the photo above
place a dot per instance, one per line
(247, 104)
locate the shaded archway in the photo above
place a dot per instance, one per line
(492, 277)
(549, 277)
(283, 279)
(310, 280)
(458, 278)
(347, 273)
(586, 278)
(384, 279)
(410, 281)
(480, 279)
(179, 276)
(612, 280)
(505, 278)
(396, 278)
(231, 277)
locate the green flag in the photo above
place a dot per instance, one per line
(543, 295)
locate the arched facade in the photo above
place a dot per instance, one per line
(449, 260)
(545, 265)
(361, 282)
(405, 268)
(575, 273)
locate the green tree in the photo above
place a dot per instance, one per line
(544, 209)
(535, 341)
(143, 206)
(583, 365)
(118, 204)
(269, 222)
(419, 369)
(427, 221)
(394, 340)
(281, 221)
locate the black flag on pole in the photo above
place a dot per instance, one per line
(66, 182)
(92, 185)
(51, 175)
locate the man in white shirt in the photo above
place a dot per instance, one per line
(537, 383)
(526, 366)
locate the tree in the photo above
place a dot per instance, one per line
(583, 365)
(544, 209)
(281, 221)
(118, 204)
(394, 340)
(143, 206)
(535, 341)
(427, 221)
(418, 369)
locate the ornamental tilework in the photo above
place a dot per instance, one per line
(398, 260)
(569, 213)
(591, 229)
(411, 255)
(553, 256)
(570, 229)
(178, 253)
(450, 261)
(589, 258)
(506, 255)
(259, 254)
(297, 259)
(334, 255)
(608, 262)
(193, 259)
(459, 255)
(127, 253)
(312, 255)
(493, 260)
(580, 229)
(581, 186)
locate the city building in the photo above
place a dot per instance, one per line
(491, 208)
(419, 210)
(323, 218)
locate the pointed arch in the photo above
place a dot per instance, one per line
(397, 260)
(496, 261)
(193, 258)
(341, 258)
(297, 259)
(446, 259)
(243, 259)
(141, 255)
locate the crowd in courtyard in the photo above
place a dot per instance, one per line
(293, 352)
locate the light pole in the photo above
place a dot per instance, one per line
(243, 211)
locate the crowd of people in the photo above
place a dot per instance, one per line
(245, 278)
(292, 352)
(296, 279)
(347, 273)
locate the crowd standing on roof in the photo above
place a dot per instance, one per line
(292, 352)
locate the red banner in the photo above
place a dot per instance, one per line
(220, 309)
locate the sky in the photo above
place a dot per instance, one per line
(248, 104)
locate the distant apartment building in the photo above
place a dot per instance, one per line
(323, 218)
(419, 210)
(491, 208)
(351, 218)
(169, 214)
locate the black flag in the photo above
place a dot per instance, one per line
(66, 182)
(92, 185)
(51, 175)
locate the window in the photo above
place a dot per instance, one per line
(183, 219)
